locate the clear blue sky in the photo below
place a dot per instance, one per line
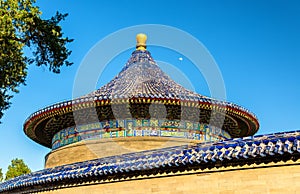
(256, 45)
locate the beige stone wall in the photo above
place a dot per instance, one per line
(283, 177)
(253, 179)
(92, 149)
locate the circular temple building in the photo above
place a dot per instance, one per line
(144, 133)
(141, 108)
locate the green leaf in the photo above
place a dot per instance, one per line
(21, 26)
(16, 168)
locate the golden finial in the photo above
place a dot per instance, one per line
(141, 42)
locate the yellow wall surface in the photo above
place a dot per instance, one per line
(92, 149)
(282, 178)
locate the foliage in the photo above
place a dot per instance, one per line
(1, 175)
(16, 168)
(21, 27)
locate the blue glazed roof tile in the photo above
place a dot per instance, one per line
(270, 148)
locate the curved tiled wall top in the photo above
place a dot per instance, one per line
(269, 147)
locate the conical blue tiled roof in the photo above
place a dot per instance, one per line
(139, 84)
(142, 77)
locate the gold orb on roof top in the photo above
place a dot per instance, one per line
(141, 41)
